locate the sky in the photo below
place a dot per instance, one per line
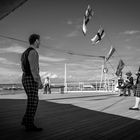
(59, 24)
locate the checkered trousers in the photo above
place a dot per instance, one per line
(31, 89)
(138, 90)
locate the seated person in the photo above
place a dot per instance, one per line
(120, 82)
(121, 85)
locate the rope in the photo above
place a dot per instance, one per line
(11, 38)
(51, 48)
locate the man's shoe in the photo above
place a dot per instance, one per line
(23, 123)
(131, 108)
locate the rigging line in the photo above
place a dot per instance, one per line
(7, 37)
(51, 48)
(86, 55)
(55, 49)
(72, 53)
(19, 40)
(111, 66)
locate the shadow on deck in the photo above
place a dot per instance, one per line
(64, 122)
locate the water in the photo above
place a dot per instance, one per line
(11, 92)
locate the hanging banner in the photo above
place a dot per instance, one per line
(98, 37)
(111, 52)
(120, 67)
(88, 14)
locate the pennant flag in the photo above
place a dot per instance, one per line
(88, 14)
(111, 52)
(120, 67)
(84, 27)
(98, 37)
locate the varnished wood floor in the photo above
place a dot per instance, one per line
(73, 118)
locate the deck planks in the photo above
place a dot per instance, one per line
(92, 117)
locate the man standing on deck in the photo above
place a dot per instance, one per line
(47, 85)
(31, 81)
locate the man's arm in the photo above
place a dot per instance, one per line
(34, 66)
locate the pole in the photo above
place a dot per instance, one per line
(101, 77)
(65, 78)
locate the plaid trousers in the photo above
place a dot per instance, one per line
(137, 94)
(31, 89)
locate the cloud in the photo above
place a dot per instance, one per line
(48, 74)
(13, 49)
(76, 66)
(8, 72)
(69, 22)
(3, 41)
(19, 49)
(84, 70)
(9, 76)
(73, 33)
(48, 38)
(43, 64)
(134, 34)
(131, 32)
(5, 61)
(128, 47)
(90, 64)
(50, 59)
(83, 74)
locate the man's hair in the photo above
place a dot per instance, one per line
(33, 38)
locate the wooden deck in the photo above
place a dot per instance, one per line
(73, 118)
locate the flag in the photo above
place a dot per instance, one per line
(88, 14)
(120, 67)
(112, 50)
(84, 27)
(98, 37)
